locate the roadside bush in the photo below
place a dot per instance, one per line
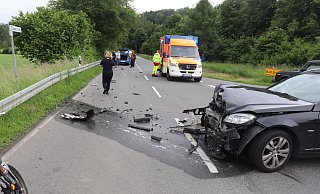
(50, 35)
(274, 48)
(7, 50)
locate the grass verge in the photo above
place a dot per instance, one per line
(148, 57)
(241, 73)
(20, 119)
(28, 73)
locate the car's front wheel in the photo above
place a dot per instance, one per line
(271, 150)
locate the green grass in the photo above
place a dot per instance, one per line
(242, 73)
(26, 115)
(6, 61)
(148, 57)
(28, 73)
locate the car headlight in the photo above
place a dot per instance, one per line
(240, 118)
(199, 65)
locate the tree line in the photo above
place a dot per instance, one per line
(266, 32)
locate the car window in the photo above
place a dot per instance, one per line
(304, 87)
(313, 66)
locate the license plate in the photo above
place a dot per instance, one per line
(186, 75)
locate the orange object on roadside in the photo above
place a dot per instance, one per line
(271, 71)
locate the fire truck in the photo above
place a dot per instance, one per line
(180, 57)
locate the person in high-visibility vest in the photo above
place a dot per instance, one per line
(156, 63)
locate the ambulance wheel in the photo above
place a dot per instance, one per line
(169, 78)
(198, 79)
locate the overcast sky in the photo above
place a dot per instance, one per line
(12, 7)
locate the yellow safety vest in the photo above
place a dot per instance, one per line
(156, 58)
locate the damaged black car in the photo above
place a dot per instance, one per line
(266, 125)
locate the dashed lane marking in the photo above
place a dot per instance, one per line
(156, 91)
(212, 168)
(146, 77)
(212, 86)
(139, 68)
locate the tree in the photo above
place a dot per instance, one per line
(4, 36)
(112, 19)
(48, 34)
(231, 18)
(257, 16)
(299, 17)
(203, 24)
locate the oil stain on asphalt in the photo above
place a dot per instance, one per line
(167, 147)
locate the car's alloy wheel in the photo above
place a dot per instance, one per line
(271, 150)
(276, 152)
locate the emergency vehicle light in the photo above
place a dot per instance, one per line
(168, 37)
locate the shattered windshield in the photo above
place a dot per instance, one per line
(304, 87)
(184, 51)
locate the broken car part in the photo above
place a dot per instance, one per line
(140, 127)
(79, 115)
(142, 120)
(156, 138)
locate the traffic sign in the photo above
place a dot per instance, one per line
(14, 28)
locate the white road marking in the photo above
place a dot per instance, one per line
(212, 86)
(146, 77)
(178, 122)
(139, 68)
(201, 81)
(156, 91)
(201, 153)
(28, 137)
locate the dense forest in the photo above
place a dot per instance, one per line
(266, 32)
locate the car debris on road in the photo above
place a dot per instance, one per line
(140, 127)
(142, 120)
(156, 138)
(78, 115)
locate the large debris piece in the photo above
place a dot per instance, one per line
(79, 115)
(156, 138)
(140, 127)
(142, 120)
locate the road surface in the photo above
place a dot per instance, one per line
(104, 155)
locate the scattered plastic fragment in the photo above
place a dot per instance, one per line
(156, 138)
(192, 149)
(140, 127)
(142, 120)
(79, 115)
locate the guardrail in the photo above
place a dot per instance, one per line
(12, 101)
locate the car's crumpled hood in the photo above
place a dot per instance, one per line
(260, 100)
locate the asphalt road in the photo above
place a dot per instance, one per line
(104, 155)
